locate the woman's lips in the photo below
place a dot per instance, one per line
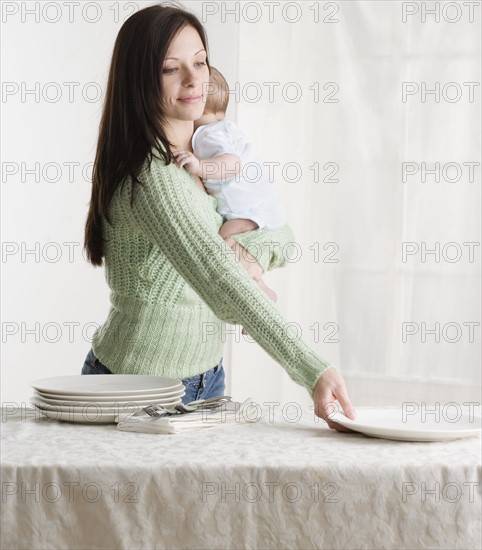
(193, 99)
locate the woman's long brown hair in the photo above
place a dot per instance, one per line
(132, 118)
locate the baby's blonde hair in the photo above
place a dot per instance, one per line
(218, 93)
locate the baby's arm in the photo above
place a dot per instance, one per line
(218, 168)
(236, 226)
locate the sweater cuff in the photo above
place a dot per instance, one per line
(269, 247)
(310, 391)
(311, 367)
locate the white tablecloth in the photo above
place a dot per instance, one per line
(270, 484)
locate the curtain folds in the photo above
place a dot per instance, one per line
(387, 280)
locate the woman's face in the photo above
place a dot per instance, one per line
(185, 76)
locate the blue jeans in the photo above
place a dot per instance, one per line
(201, 386)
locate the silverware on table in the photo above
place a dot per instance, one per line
(158, 411)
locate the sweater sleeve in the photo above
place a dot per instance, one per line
(270, 248)
(167, 210)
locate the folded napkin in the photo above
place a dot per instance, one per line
(231, 412)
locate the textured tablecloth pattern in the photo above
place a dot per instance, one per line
(267, 484)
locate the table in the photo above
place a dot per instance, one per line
(277, 482)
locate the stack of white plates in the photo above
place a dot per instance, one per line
(102, 397)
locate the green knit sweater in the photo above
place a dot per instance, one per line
(175, 283)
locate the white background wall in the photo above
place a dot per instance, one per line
(52, 299)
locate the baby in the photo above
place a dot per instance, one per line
(246, 199)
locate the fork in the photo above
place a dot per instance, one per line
(219, 398)
(203, 404)
(156, 411)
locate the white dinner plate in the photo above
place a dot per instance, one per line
(395, 423)
(106, 384)
(91, 405)
(91, 409)
(56, 398)
(83, 418)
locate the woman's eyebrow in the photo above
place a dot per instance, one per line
(202, 50)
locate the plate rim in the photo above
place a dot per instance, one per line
(88, 397)
(78, 410)
(428, 434)
(105, 404)
(38, 384)
(105, 419)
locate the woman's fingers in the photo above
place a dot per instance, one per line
(338, 427)
(346, 404)
(328, 409)
(327, 406)
(329, 388)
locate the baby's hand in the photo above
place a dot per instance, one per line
(187, 159)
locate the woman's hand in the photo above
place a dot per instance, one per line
(331, 387)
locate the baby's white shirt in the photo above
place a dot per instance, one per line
(250, 194)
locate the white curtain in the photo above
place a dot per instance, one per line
(366, 294)
(355, 307)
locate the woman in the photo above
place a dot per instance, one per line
(173, 280)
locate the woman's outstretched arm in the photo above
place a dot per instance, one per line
(167, 209)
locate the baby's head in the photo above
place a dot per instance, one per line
(218, 94)
(217, 99)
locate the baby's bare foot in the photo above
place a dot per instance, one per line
(271, 294)
(268, 291)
